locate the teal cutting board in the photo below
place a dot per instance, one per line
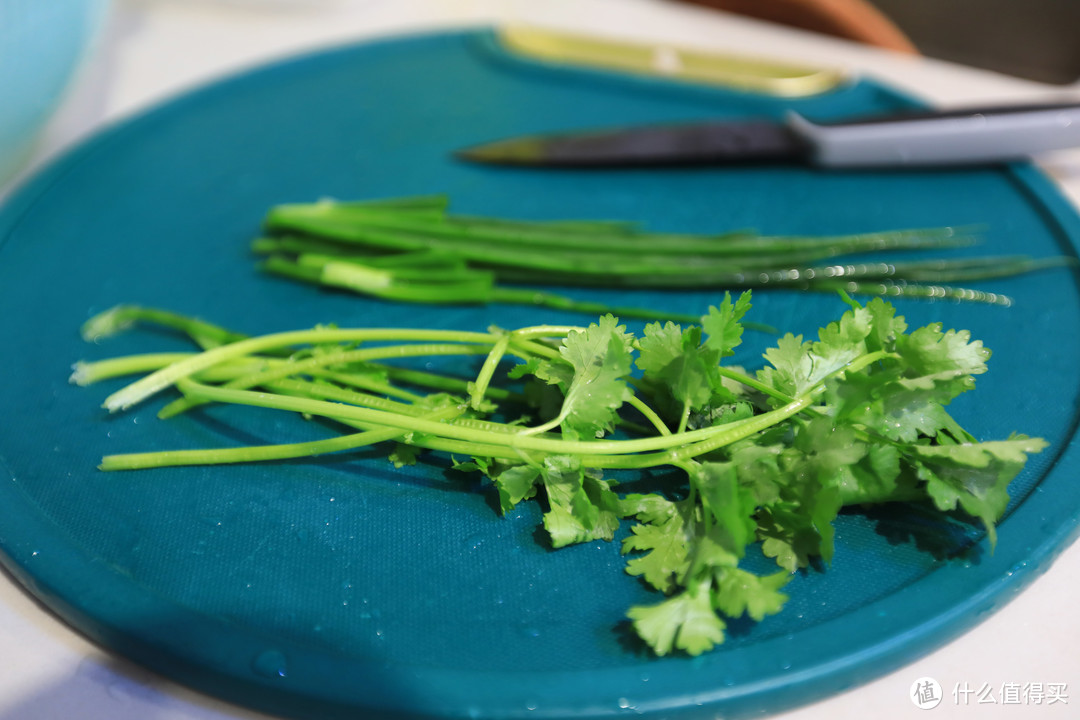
(344, 587)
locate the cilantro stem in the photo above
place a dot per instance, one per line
(364, 382)
(520, 440)
(121, 317)
(650, 414)
(487, 371)
(540, 298)
(259, 453)
(684, 418)
(304, 388)
(740, 429)
(340, 357)
(435, 381)
(87, 373)
(539, 332)
(167, 376)
(753, 383)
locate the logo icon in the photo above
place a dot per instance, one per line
(925, 693)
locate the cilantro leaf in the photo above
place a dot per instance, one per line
(758, 464)
(582, 508)
(667, 552)
(731, 505)
(890, 405)
(885, 325)
(786, 537)
(592, 378)
(974, 475)
(647, 507)
(515, 484)
(793, 533)
(817, 466)
(675, 360)
(685, 621)
(722, 324)
(738, 591)
(875, 478)
(930, 352)
(792, 365)
(403, 454)
(798, 366)
(905, 400)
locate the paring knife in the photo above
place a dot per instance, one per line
(954, 137)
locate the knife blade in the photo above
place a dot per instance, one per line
(916, 139)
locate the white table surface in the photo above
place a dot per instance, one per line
(153, 49)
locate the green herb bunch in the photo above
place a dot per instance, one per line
(855, 416)
(414, 250)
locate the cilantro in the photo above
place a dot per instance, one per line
(739, 592)
(723, 324)
(592, 377)
(855, 416)
(663, 537)
(403, 455)
(515, 484)
(974, 475)
(676, 358)
(686, 621)
(582, 507)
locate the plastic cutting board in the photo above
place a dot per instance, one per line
(344, 587)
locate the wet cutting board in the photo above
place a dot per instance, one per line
(344, 586)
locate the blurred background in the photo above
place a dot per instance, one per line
(44, 45)
(1035, 39)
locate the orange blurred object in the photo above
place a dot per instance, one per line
(850, 19)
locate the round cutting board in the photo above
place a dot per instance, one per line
(343, 586)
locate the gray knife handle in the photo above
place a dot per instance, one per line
(944, 138)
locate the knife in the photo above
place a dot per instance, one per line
(915, 139)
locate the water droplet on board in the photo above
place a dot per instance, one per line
(530, 631)
(270, 664)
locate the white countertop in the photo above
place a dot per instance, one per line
(153, 49)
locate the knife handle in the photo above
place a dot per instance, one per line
(956, 137)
